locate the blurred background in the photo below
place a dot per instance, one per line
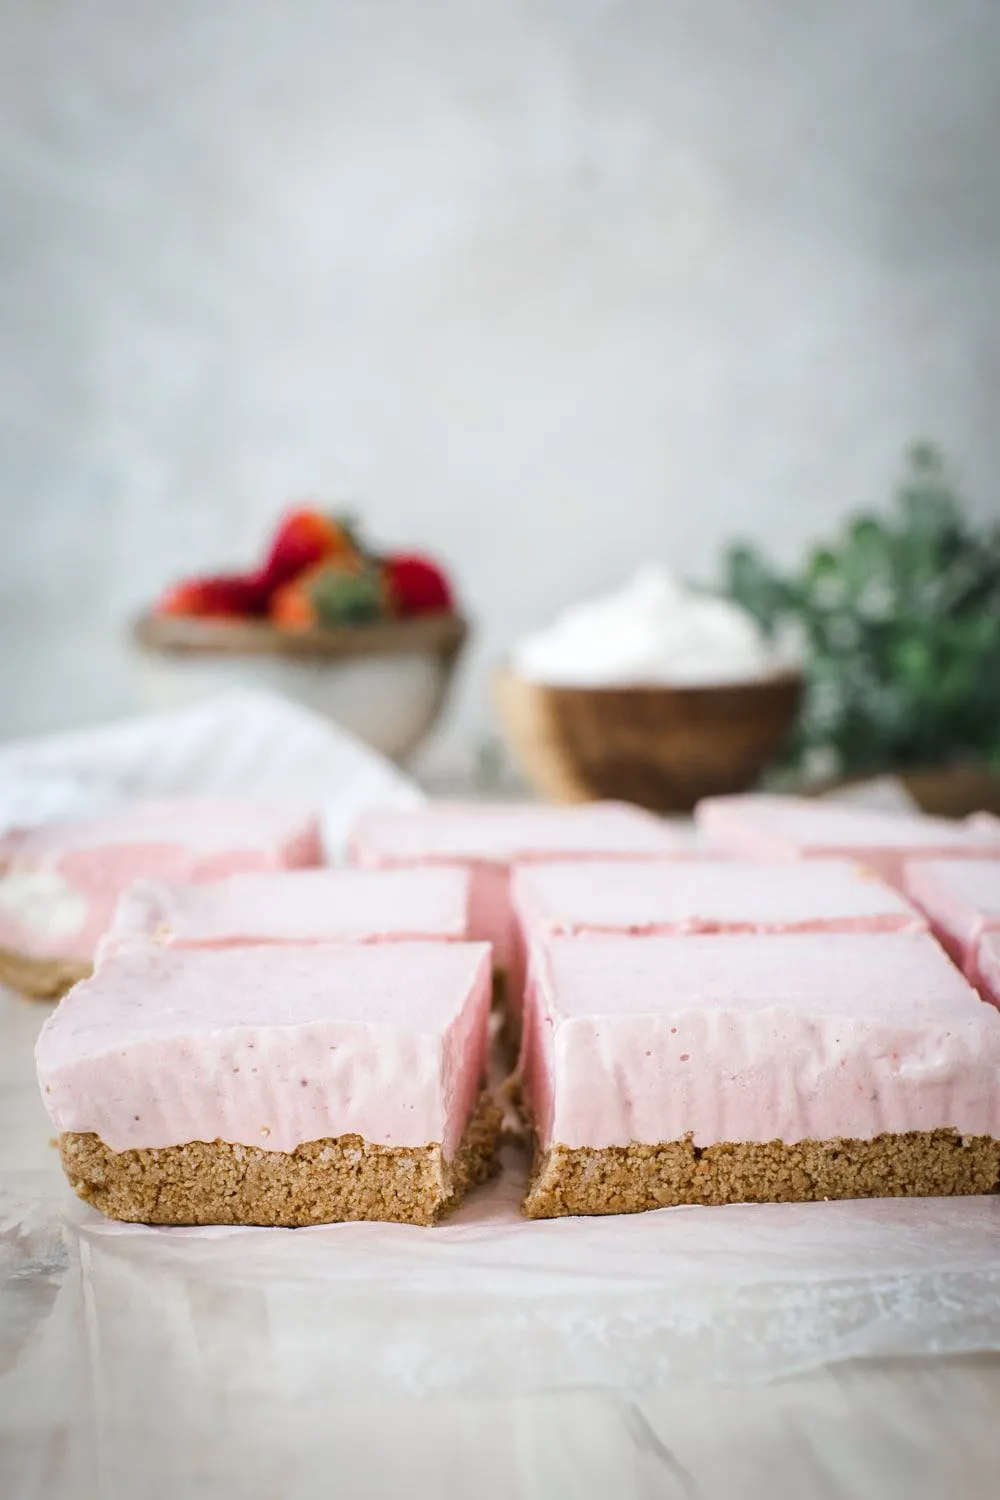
(546, 291)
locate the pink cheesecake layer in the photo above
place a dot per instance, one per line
(487, 839)
(298, 906)
(709, 896)
(988, 966)
(758, 826)
(744, 1038)
(271, 1047)
(60, 883)
(961, 898)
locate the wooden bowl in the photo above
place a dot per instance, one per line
(661, 747)
(386, 682)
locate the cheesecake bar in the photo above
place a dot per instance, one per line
(961, 899)
(759, 826)
(297, 906)
(487, 839)
(988, 966)
(274, 1085)
(742, 1068)
(674, 899)
(60, 883)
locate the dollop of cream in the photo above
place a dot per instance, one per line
(654, 631)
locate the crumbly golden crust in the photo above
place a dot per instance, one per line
(41, 978)
(499, 989)
(631, 1179)
(320, 1182)
(509, 1033)
(509, 1039)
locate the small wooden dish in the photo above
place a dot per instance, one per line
(661, 747)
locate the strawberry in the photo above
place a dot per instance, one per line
(292, 607)
(304, 537)
(417, 586)
(222, 596)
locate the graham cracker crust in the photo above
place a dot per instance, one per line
(510, 1038)
(631, 1179)
(41, 978)
(321, 1182)
(509, 1035)
(499, 997)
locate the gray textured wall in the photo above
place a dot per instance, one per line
(549, 287)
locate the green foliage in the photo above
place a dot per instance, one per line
(901, 619)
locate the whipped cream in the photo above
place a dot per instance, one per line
(655, 630)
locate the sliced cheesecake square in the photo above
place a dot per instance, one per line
(60, 883)
(723, 1069)
(988, 966)
(760, 826)
(298, 906)
(274, 1085)
(961, 899)
(678, 899)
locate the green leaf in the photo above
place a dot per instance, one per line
(901, 614)
(925, 457)
(754, 585)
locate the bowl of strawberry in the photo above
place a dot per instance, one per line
(370, 639)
